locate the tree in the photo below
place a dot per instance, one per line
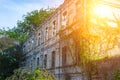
(33, 20)
(6, 43)
(30, 22)
(11, 40)
(116, 75)
(96, 39)
(9, 60)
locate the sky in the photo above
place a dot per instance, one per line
(12, 10)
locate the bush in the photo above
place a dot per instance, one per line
(116, 75)
(23, 74)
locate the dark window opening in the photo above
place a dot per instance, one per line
(41, 61)
(45, 61)
(39, 34)
(46, 28)
(64, 19)
(38, 61)
(67, 77)
(53, 59)
(65, 13)
(54, 23)
(39, 41)
(64, 55)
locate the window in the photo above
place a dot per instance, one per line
(64, 53)
(53, 59)
(79, 14)
(78, 4)
(67, 77)
(39, 34)
(54, 27)
(45, 61)
(54, 24)
(65, 13)
(31, 65)
(41, 60)
(24, 46)
(64, 19)
(77, 54)
(38, 61)
(46, 33)
(39, 41)
(50, 32)
(65, 16)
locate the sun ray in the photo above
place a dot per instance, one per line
(103, 11)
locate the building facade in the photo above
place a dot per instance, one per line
(52, 45)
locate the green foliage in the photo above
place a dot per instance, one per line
(30, 22)
(116, 75)
(96, 39)
(6, 43)
(33, 19)
(15, 34)
(9, 60)
(40, 75)
(19, 74)
(23, 74)
(1, 32)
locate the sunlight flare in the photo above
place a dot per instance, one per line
(103, 11)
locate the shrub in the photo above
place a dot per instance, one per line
(23, 74)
